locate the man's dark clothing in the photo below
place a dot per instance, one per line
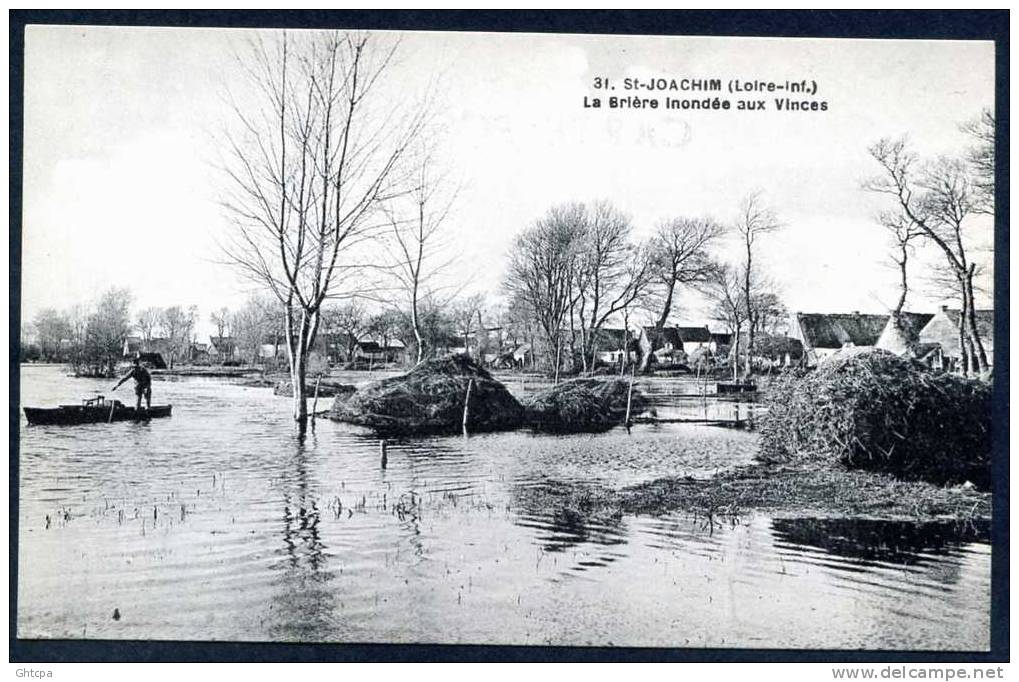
(142, 380)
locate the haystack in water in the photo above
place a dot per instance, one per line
(430, 398)
(325, 388)
(589, 404)
(871, 409)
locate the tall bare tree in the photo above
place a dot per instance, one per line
(904, 235)
(178, 323)
(754, 221)
(466, 313)
(220, 318)
(148, 322)
(254, 323)
(542, 267)
(980, 156)
(415, 242)
(679, 255)
(349, 320)
(940, 200)
(612, 272)
(51, 329)
(724, 288)
(317, 147)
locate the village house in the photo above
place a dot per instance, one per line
(942, 331)
(771, 350)
(720, 340)
(901, 335)
(223, 349)
(675, 345)
(157, 352)
(198, 353)
(609, 344)
(824, 334)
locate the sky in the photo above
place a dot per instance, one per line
(122, 188)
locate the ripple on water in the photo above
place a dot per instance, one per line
(221, 523)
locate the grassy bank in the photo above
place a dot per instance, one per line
(781, 490)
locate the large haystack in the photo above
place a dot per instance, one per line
(326, 388)
(430, 398)
(874, 410)
(589, 404)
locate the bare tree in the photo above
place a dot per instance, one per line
(466, 314)
(178, 324)
(311, 160)
(51, 328)
(349, 320)
(755, 220)
(939, 200)
(106, 326)
(904, 236)
(981, 158)
(384, 326)
(253, 324)
(414, 240)
(678, 256)
(220, 318)
(541, 272)
(612, 273)
(148, 322)
(725, 290)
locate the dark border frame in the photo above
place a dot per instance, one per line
(892, 24)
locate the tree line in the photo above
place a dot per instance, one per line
(579, 268)
(936, 204)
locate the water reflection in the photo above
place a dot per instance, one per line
(566, 515)
(504, 538)
(303, 605)
(906, 543)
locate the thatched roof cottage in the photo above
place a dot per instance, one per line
(824, 334)
(943, 329)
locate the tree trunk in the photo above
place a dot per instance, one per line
(964, 359)
(905, 285)
(298, 344)
(979, 354)
(645, 360)
(735, 354)
(558, 351)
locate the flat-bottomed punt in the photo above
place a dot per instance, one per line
(94, 411)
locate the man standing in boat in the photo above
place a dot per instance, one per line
(142, 384)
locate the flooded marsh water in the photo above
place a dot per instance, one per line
(220, 523)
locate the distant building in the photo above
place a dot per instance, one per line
(943, 329)
(609, 344)
(719, 339)
(132, 346)
(824, 334)
(198, 353)
(772, 350)
(901, 334)
(223, 349)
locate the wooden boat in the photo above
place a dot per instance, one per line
(96, 410)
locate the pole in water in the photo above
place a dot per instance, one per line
(314, 403)
(385, 457)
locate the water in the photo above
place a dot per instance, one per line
(220, 524)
